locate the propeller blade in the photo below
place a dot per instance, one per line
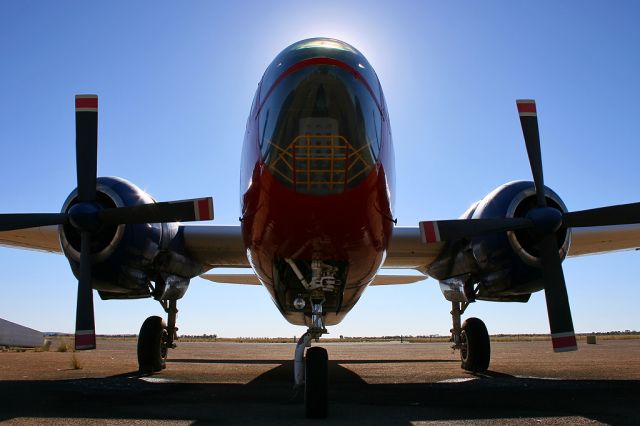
(555, 289)
(10, 222)
(85, 323)
(529, 124)
(563, 336)
(621, 214)
(169, 211)
(446, 230)
(86, 145)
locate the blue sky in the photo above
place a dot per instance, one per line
(176, 81)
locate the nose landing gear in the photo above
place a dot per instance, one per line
(313, 372)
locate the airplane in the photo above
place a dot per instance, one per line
(317, 223)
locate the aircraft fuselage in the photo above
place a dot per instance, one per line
(317, 178)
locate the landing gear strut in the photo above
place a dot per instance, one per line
(314, 373)
(471, 338)
(156, 338)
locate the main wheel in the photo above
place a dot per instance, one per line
(316, 383)
(152, 345)
(476, 349)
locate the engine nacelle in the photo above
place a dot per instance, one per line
(504, 266)
(127, 258)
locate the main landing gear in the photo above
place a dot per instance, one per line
(312, 373)
(471, 338)
(156, 338)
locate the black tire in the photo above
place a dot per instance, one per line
(476, 348)
(152, 347)
(316, 383)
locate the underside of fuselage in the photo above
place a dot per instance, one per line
(317, 179)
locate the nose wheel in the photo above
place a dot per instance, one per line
(316, 384)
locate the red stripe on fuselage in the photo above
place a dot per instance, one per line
(320, 61)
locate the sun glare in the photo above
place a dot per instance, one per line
(327, 44)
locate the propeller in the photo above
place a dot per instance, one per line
(544, 221)
(87, 216)
(547, 221)
(86, 171)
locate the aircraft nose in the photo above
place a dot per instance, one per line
(319, 128)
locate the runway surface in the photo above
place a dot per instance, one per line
(382, 383)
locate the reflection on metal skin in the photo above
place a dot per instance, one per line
(453, 288)
(298, 365)
(174, 287)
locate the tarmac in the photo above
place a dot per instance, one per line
(370, 383)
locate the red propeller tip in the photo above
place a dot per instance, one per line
(87, 103)
(430, 232)
(526, 107)
(203, 209)
(85, 339)
(564, 342)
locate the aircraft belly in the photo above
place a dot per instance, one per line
(280, 225)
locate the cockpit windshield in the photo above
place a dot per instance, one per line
(320, 48)
(319, 117)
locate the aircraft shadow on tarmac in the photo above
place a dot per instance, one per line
(268, 399)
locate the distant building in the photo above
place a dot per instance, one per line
(12, 334)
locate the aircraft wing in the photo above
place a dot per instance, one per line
(44, 238)
(602, 239)
(252, 279)
(222, 245)
(406, 249)
(213, 246)
(216, 246)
